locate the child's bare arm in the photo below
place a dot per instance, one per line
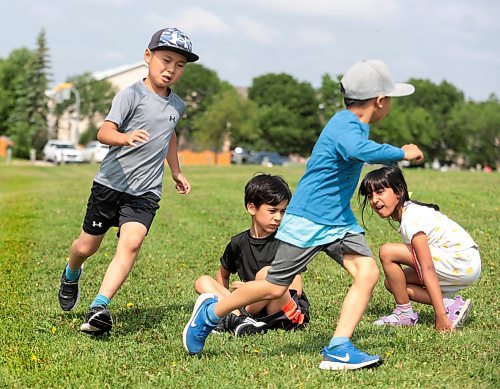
(424, 257)
(413, 152)
(223, 277)
(182, 184)
(109, 135)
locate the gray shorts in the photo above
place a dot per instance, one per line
(291, 260)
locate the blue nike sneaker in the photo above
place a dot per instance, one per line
(199, 326)
(346, 356)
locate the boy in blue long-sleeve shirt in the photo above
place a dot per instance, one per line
(319, 217)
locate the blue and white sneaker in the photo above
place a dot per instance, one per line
(199, 327)
(346, 356)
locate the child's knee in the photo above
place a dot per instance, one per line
(84, 248)
(200, 285)
(386, 252)
(276, 291)
(368, 273)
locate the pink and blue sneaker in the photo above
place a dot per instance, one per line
(459, 311)
(398, 318)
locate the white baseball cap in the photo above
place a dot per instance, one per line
(371, 78)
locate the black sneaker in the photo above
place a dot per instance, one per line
(69, 293)
(229, 323)
(98, 321)
(250, 326)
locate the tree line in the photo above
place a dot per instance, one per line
(276, 113)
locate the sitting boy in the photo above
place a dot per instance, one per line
(249, 254)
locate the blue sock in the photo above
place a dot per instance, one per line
(100, 300)
(72, 275)
(211, 314)
(338, 340)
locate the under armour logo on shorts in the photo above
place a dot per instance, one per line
(95, 224)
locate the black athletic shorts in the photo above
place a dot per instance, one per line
(107, 207)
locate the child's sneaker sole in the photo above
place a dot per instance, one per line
(329, 365)
(464, 313)
(97, 323)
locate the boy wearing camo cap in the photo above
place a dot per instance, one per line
(140, 130)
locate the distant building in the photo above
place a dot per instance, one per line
(119, 77)
(123, 76)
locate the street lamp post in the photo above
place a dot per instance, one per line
(62, 93)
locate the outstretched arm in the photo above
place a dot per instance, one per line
(424, 257)
(109, 135)
(182, 184)
(412, 151)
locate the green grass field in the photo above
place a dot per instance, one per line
(41, 212)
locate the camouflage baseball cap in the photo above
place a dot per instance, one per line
(175, 40)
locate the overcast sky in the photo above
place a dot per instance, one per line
(453, 40)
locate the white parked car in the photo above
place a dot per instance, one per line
(61, 151)
(95, 151)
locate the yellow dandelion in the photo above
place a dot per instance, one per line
(130, 305)
(53, 330)
(34, 357)
(256, 351)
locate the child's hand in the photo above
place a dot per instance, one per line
(443, 324)
(181, 183)
(413, 152)
(237, 284)
(140, 136)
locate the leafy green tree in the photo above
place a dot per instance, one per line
(413, 125)
(11, 78)
(38, 116)
(479, 140)
(197, 87)
(27, 124)
(423, 118)
(296, 103)
(330, 99)
(230, 116)
(95, 101)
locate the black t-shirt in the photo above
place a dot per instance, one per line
(246, 255)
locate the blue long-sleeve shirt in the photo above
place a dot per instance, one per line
(324, 192)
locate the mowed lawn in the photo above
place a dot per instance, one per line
(41, 211)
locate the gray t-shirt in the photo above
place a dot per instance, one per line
(137, 170)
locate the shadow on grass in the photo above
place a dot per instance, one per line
(130, 321)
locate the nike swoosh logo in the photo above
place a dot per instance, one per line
(346, 358)
(194, 318)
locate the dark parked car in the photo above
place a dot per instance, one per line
(268, 158)
(240, 155)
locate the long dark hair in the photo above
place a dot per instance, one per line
(386, 177)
